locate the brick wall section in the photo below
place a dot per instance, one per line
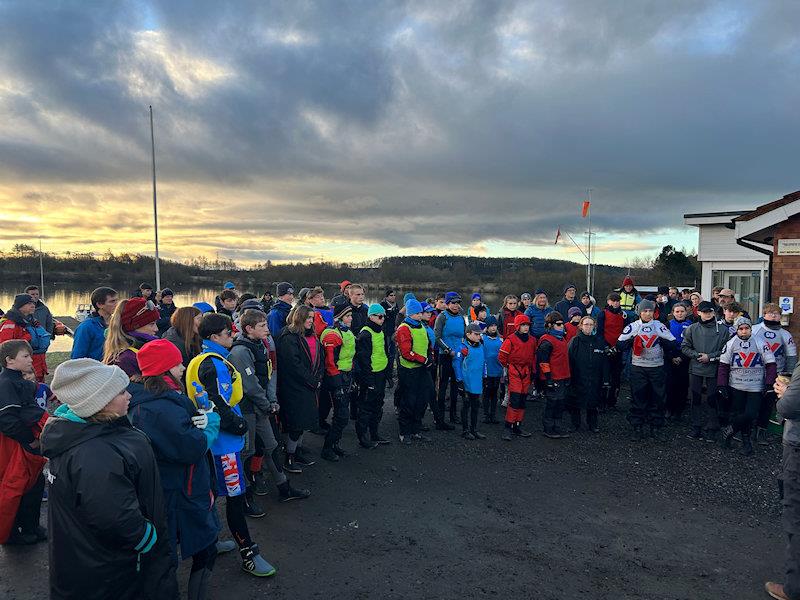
(786, 272)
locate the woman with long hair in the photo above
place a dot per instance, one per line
(132, 325)
(180, 436)
(184, 332)
(299, 377)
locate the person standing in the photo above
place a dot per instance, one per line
(610, 324)
(449, 329)
(518, 356)
(747, 370)
(552, 359)
(184, 332)
(789, 408)
(276, 319)
(132, 325)
(537, 312)
(505, 317)
(166, 308)
(702, 345)
(360, 310)
(650, 340)
(20, 324)
(590, 309)
(90, 335)
(677, 366)
(414, 349)
(589, 374)
(568, 301)
(371, 362)
(45, 318)
(470, 366)
(116, 545)
(629, 297)
(389, 304)
(494, 370)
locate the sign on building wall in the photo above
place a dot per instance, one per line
(787, 304)
(789, 247)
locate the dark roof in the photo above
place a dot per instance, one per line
(765, 208)
(727, 213)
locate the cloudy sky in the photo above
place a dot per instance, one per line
(351, 130)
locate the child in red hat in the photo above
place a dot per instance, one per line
(518, 357)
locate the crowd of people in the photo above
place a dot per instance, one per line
(170, 408)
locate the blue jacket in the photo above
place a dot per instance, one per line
(537, 315)
(450, 329)
(678, 327)
(181, 451)
(89, 339)
(431, 335)
(276, 319)
(469, 364)
(491, 350)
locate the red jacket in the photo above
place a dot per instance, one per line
(519, 357)
(9, 330)
(330, 342)
(507, 320)
(570, 331)
(553, 358)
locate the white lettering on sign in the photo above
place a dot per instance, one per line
(789, 247)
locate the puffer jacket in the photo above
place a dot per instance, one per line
(709, 338)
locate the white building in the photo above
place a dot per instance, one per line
(727, 263)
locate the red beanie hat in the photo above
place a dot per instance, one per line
(136, 314)
(521, 320)
(627, 281)
(158, 357)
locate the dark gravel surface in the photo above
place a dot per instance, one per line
(594, 516)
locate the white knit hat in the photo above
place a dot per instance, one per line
(87, 386)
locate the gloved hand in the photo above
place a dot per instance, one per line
(550, 384)
(611, 351)
(340, 394)
(723, 392)
(274, 407)
(460, 386)
(200, 420)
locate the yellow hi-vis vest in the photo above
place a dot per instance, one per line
(419, 344)
(193, 376)
(346, 351)
(379, 360)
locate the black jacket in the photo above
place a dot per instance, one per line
(390, 322)
(105, 504)
(298, 380)
(360, 317)
(588, 366)
(228, 420)
(166, 311)
(173, 336)
(18, 409)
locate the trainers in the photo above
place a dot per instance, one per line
(287, 492)
(775, 590)
(252, 509)
(291, 465)
(696, 435)
(259, 485)
(562, 434)
(727, 436)
(404, 439)
(506, 437)
(303, 457)
(442, 426)
(381, 441)
(468, 435)
(478, 435)
(224, 546)
(329, 454)
(254, 563)
(420, 437)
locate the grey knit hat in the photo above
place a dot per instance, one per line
(742, 321)
(87, 386)
(645, 305)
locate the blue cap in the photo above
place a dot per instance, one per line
(476, 295)
(452, 297)
(203, 307)
(426, 307)
(229, 285)
(408, 297)
(413, 306)
(376, 309)
(491, 320)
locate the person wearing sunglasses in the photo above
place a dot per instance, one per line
(553, 361)
(371, 366)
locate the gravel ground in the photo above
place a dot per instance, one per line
(594, 516)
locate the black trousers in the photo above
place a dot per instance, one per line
(744, 409)
(589, 402)
(324, 405)
(491, 389)
(677, 387)
(438, 414)
(612, 393)
(340, 400)
(555, 399)
(647, 396)
(791, 519)
(29, 506)
(370, 405)
(766, 409)
(447, 377)
(704, 416)
(417, 388)
(469, 411)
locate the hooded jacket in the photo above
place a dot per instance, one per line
(709, 338)
(251, 359)
(299, 378)
(45, 317)
(89, 339)
(276, 319)
(187, 475)
(589, 369)
(789, 408)
(108, 536)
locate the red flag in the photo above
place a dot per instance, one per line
(586, 204)
(558, 235)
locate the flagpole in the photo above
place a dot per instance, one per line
(41, 271)
(589, 245)
(155, 201)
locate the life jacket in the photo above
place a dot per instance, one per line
(261, 360)
(346, 351)
(508, 322)
(613, 326)
(627, 300)
(37, 335)
(232, 395)
(379, 360)
(559, 359)
(419, 345)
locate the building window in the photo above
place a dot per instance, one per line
(746, 286)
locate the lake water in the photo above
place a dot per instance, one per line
(63, 301)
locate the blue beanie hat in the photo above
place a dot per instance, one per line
(375, 309)
(476, 295)
(452, 297)
(490, 320)
(426, 307)
(408, 297)
(203, 307)
(413, 306)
